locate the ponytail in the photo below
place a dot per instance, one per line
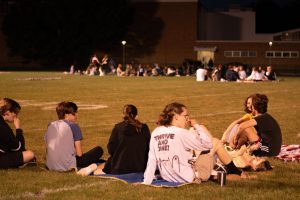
(166, 117)
(130, 112)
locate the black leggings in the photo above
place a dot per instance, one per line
(92, 156)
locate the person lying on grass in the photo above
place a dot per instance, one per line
(63, 140)
(12, 147)
(170, 147)
(243, 158)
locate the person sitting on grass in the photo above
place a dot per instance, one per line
(171, 145)
(63, 140)
(270, 74)
(128, 145)
(12, 147)
(267, 134)
(227, 137)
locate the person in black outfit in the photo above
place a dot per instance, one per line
(231, 75)
(270, 74)
(128, 145)
(268, 138)
(12, 147)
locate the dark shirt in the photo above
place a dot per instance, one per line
(232, 75)
(8, 141)
(271, 76)
(128, 149)
(219, 75)
(270, 134)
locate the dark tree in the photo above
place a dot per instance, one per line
(60, 32)
(144, 34)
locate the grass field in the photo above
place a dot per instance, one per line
(100, 101)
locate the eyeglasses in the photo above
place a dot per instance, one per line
(187, 117)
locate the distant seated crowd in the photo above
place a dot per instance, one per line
(218, 73)
(202, 71)
(180, 148)
(236, 73)
(107, 66)
(132, 70)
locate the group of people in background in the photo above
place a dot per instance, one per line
(222, 73)
(170, 149)
(101, 68)
(236, 73)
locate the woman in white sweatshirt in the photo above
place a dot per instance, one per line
(171, 145)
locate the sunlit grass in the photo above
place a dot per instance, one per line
(214, 104)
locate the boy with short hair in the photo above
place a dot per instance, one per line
(12, 147)
(63, 140)
(268, 138)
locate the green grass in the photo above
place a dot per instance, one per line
(214, 104)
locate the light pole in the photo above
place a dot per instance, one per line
(270, 54)
(123, 43)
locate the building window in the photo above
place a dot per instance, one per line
(294, 54)
(228, 53)
(236, 54)
(252, 54)
(269, 54)
(278, 54)
(244, 54)
(286, 54)
(282, 54)
(240, 53)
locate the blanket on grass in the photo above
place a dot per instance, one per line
(289, 153)
(138, 177)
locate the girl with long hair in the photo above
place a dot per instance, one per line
(128, 145)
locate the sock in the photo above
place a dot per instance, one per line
(232, 169)
(87, 170)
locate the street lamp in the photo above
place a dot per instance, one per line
(270, 54)
(123, 43)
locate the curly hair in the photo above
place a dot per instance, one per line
(260, 102)
(166, 117)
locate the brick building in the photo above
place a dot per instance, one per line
(227, 36)
(190, 31)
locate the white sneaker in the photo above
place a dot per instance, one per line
(98, 172)
(87, 170)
